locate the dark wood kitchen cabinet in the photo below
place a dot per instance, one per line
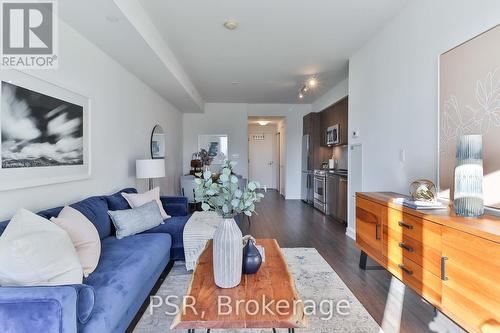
(335, 114)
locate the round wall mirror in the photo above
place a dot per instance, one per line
(158, 142)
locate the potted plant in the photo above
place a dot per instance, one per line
(224, 196)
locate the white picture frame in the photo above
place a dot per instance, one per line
(215, 144)
(24, 177)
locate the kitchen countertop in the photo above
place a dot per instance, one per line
(336, 172)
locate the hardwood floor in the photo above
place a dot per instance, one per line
(295, 224)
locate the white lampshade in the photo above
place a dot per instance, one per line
(154, 168)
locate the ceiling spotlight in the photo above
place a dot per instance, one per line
(312, 82)
(231, 24)
(263, 122)
(304, 89)
(301, 96)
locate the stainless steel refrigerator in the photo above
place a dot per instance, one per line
(307, 171)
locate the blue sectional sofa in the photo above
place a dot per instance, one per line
(109, 299)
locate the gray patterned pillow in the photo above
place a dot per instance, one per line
(129, 222)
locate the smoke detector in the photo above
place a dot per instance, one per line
(231, 24)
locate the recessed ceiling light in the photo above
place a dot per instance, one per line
(231, 24)
(312, 82)
(263, 122)
(112, 18)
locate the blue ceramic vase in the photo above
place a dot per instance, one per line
(251, 257)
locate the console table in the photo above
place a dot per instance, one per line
(452, 262)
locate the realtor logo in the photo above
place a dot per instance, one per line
(28, 34)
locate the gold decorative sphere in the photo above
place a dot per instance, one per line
(423, 190)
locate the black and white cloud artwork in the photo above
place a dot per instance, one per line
(39, 130)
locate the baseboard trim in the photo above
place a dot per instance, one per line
(153, 291)
(350, 233)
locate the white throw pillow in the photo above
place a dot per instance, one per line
(84, 236)
(36, 252)
(138, 199)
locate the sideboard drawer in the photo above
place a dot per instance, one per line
(421, 280)
(397, 247)
(369, 221)
(414, 227)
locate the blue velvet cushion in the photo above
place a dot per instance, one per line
(31, 316)
(96, 210)
(3, 225)
(175, 206)
(48, 213)
(117, 202)
(175, 227)
(38, 309)
(85, 302)
(127, 271)
(133, 221)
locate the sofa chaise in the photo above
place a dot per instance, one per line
(110, 298)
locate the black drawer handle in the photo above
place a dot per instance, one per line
(377, 233)
(406, 247)
(403, 267)
(405, 225)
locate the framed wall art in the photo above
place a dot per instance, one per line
(44, 133)
(216, 145)
(469, 103)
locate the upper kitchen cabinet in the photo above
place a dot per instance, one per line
(336, 114)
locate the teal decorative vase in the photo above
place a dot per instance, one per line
(468, 195)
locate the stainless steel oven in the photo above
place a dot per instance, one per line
(319, 189)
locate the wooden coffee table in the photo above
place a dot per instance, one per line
(267, 299)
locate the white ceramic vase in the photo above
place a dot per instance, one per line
(227, 254)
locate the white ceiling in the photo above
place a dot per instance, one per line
(277, 46)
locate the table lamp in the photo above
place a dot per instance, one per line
(149, 169)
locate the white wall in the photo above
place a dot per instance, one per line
(123, 113)
(393, 88)
(232, 119)
(332, 96)
(218, 118)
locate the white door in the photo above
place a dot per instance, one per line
(261, 159)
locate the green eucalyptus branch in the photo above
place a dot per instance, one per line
(224, 195)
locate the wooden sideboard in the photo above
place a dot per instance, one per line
(452, 262)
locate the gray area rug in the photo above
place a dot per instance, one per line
(315, 280)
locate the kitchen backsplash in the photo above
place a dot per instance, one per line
(340, 154)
